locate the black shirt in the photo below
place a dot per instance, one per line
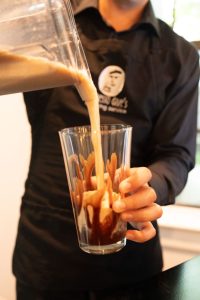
(158, 96)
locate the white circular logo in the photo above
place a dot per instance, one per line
(111, 81)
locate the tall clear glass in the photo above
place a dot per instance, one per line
(100, 230)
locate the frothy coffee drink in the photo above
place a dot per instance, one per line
(21, 73)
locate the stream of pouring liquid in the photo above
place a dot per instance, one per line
(88, 93)
(21, 73)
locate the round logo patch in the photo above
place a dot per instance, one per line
(111, 81)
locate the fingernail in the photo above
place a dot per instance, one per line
(119, 206)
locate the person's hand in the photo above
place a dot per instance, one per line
(138, 207)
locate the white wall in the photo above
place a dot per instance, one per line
(164, 9)
(14, 157)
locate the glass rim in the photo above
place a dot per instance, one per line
(104, 128)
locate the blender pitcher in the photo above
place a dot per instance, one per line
(39, 46)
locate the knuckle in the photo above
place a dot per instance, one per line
(148, 172)
(159, 210)
(146, 236)
(152, 194)
(153, 232)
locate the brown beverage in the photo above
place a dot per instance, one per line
(97, 223)
(20, 73)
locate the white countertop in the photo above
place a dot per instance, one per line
(180, 217)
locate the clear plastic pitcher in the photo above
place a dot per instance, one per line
(39, 46)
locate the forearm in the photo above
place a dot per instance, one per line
(174, 137)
